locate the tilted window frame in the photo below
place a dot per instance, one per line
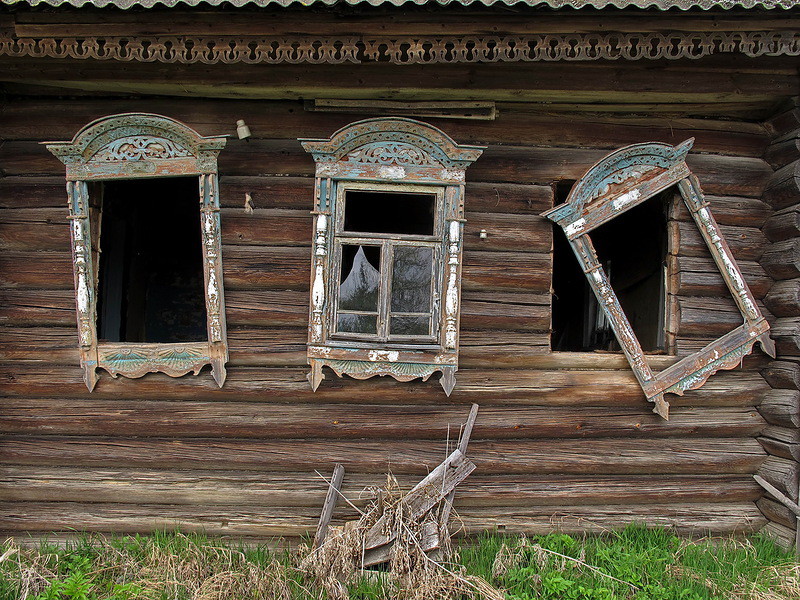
(387, 153)
(624, 179)
(143, 146)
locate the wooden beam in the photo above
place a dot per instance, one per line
(331, 498)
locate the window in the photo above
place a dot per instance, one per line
(389, 212)
(622, 182)
(147, 259)
(639, 279)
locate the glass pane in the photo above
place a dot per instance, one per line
(389, 212)
(348, 323)
(412, 278)
(360, 278)
(410, 326)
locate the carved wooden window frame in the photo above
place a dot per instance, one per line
(386, 154)
(620, 181)
(142, 146)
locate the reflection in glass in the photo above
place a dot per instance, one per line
(412, 277)
(410, 325)
(347, 323)
(360, 278)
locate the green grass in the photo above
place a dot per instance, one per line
(633, 564)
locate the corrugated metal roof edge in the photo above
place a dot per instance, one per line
(577, 4)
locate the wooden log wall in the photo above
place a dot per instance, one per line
(781, 406)
(563, 440)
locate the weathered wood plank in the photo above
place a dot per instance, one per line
(248, 488)
(746, 243)
(566, 457)
(783, 374)
(732, 210)
(21, 518)
(524, 386)
(720, 175)
(777, 447)
(781, 260)
(776, 512)
(783, 188)
(188, 419)
(694, 276)
(783, 299)
(781, 407)
(520, 124)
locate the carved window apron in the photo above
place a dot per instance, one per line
(397, 324)
(624, 179)
(143, 146)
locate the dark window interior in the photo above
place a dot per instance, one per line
(389, 212)
(632, 248)
(150, 286)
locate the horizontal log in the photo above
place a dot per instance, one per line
(37, 307)
(34, 229)
(707, 317)
(786, 333)
(248, 267)
(520, 124)
(783, 151)
(780, 448)
(785, 121)
(781, 473)
(781, 535)
(783, 188)
(781, 260)
(781, 407)
(298, 192)
(540, 457)
(693, 276)
(790, 435)
(364, 421)
(523, 386)
(248, 488)
(783, 299)
(25, 517)
(746, 243)
(731, 210)
(776, 512)
(720, 175)
(783, 374)
(784, 224)
(33, 192)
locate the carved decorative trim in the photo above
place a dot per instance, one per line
(130, 146)
(390, 155)
(409, 49)
(136, 360)
(624, 179)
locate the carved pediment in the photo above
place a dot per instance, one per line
(394, 153)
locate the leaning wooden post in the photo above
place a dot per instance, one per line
(462, 446)
(331, 499)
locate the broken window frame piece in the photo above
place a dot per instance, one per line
(391, 155)
(624, 179)
(142, 146)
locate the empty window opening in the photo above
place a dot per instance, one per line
(632, 249)
(389, 212)
(150, 283)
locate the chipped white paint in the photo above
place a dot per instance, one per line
(627, 198)
(327, 169)
(383, 355)
(318, 290)
(453, 175)
(392, 172)
(575, 227)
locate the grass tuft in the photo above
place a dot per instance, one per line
(635, 563)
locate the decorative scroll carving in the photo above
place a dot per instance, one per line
(620, 181)
(388, 155)
(409, 49)
(105, 150)
(140, 147)
(391, 154)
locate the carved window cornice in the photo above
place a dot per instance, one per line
(136, 146)
(620, 181)
(388, 156)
